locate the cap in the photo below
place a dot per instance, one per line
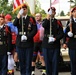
(53, 8)
(73, 9)
(8, 16)
(2, 16)
(24, 6)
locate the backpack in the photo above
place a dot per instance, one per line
(14, 35)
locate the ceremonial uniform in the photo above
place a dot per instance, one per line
(25, 47)
(70, 40)
(30, 30)
(51, 47)
(14, 31)
(5, 46)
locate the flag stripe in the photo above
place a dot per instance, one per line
(55, 2)
(17, 4)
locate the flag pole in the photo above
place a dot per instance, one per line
(70, 18)
(50, 22)
(59, 8)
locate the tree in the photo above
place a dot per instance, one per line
(6, 8)
(62, 13)
(38, 8)
(72, 2)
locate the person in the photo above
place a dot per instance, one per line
(38, 45)
(51, 41)
(5, 45)
(14, 32)
(26, 30)
(70, 40)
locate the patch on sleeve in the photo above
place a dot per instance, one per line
(32, 21)
(59, 23)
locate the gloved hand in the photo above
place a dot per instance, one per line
(49, 12)
(70, 34)
(51, 39)
(8, 53)
(21, 11)
(23, 37)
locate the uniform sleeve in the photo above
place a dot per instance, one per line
(34, 29)
(60, 31)
(16, 22)
(67, 29)
(45, 23)
(9, 38)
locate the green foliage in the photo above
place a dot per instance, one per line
(38, 8)
(62, 13)
(8, 8)
(72, 2)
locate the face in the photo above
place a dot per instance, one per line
(53, 13)
(38, 17)
(6, 20)
(2, 21)
(74, 13)
(25, 11)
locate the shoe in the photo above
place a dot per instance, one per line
(39, 67)
(44, 72)
(33, 73)
(17, 69)
(10, 72)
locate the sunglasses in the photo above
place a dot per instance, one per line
(24, 9)
(2, 16)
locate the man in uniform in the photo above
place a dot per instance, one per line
(14, 32)
(5, 45)
(70, 40)
(26, 30)
(53, 33)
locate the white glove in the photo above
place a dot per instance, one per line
(50, 12)
(10, 62)
(23, 37)
(8, 53)
(21, 11)
(51, 39)
(70, 34)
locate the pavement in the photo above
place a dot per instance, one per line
(38, 72)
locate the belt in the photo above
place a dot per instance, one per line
(1, 43)
(74, 36)
(46, 35)
(21, 33)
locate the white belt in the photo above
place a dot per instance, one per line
(21, 33)
(1, 43)
(74, 36)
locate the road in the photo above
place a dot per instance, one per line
(38, 72)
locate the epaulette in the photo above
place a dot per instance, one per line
(6, 29)
(32, 20)
(59, 23)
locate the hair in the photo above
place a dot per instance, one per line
(39, 14)
(2, 16)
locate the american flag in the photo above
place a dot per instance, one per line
(55, 2)
(17, 4)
